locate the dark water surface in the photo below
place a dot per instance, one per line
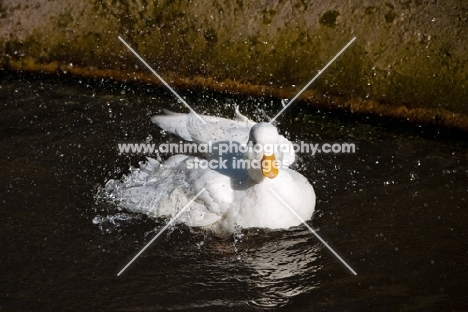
(395, 211)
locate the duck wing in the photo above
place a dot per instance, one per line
(217, 129)
(163, 189)
(190, 128)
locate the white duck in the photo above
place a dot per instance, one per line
(233, 195)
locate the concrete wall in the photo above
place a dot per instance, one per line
(409, 54)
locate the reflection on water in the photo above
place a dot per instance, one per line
(267, 268)
(395, 211)
(282, 268)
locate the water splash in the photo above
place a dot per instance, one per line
(109, 223)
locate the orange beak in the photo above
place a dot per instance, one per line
(269, 166)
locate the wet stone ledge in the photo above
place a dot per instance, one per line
(410, 59)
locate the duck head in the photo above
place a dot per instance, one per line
(263, 155)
